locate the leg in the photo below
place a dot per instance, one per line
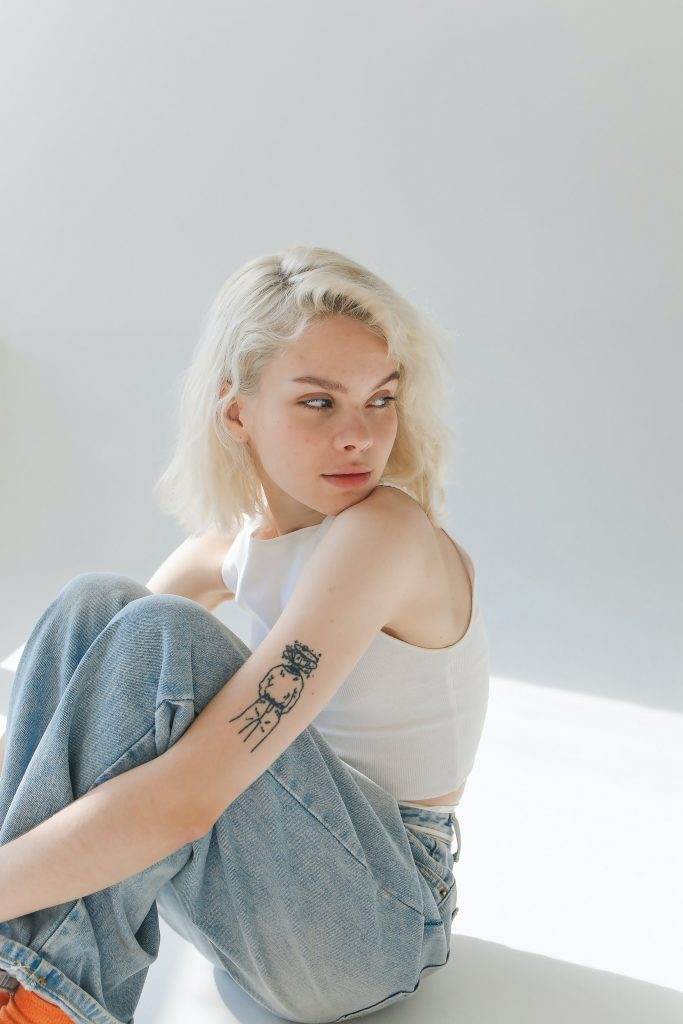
(306, 890)
(90, 699)
(330, 908)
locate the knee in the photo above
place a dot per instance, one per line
(189, 626)
(168, 610)
(91, 586)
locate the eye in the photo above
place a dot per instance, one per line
(382, 398)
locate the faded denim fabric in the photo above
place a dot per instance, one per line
(311, 890)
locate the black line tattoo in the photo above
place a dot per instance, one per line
(279, 690)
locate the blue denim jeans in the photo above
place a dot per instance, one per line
(319, 894)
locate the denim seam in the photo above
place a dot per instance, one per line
(41, 988)
(343, 845)
(399, 991)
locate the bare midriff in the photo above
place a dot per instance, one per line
(451, 798)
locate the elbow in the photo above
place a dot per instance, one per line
(179, 812)
(195, 831)
(181, 827)
(176, 822)
(190, 821)
(191, 806)
(199, 820)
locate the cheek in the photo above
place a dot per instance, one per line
(293, 435)
(389, 427)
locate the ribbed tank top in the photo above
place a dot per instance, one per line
(409, 718)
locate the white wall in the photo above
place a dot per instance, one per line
(514, 167)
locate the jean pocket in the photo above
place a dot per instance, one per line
(434, 861)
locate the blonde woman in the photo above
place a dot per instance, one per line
(287, 805)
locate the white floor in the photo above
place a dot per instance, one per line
(570, 883)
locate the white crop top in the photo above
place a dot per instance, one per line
(409, 718)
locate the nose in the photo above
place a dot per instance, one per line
(355, 434)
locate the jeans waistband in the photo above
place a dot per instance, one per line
(440, 822)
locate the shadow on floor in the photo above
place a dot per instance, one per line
(484, 983)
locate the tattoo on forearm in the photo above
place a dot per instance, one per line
(279, 690)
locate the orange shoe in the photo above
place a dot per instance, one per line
(27, 1007)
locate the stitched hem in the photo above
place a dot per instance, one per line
(38, 975)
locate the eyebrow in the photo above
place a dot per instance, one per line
(335, 385)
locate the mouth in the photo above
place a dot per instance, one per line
(348, 479)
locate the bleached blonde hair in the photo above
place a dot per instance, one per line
(211, 481)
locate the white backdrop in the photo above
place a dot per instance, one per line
(515, 168)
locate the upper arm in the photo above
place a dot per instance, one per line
(193, 570)
(359, 574)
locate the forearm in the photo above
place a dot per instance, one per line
(114, 831)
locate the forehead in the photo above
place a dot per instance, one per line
(338, 345)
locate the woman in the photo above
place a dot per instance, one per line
(296, 825)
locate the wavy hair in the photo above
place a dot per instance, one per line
(211, 481)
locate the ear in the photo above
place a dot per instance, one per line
(233, 417)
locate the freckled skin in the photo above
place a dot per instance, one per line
(278, 690)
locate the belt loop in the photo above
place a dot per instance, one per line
(456, 824)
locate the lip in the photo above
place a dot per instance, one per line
(347, 479)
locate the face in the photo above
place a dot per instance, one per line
(301, 432)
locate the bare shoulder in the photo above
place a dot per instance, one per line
(390, 506)
(438, 609)
(395, 522)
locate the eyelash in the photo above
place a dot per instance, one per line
(381, 398)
